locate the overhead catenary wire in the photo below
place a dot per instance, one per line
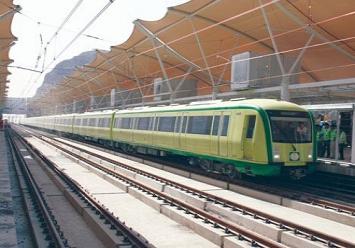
(29, 87)
(66, 19)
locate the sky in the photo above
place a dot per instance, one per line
(43, 41)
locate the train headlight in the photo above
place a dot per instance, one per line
(276, 156)
(310, 156)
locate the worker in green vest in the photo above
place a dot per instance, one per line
(342, 143)
(326, 139)
(333, 137)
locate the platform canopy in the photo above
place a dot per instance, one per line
(7, 11)
(197, 40)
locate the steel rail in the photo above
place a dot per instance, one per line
(56, 237)
(133, 238)
(312, 234)
(228, 226)
(328, 204)
(292, 194)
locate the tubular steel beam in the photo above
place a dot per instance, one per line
(150, 34)
(204, 59)
(136, 79)
(161, 64)
(301, 23)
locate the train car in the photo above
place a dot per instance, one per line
(63, 123)
(255, 137)
(94, 125)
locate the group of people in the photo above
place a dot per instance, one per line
(326, 140)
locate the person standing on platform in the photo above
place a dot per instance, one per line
(326, 140)
(342, 143)
(333, 137)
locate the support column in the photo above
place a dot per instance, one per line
(113, 98)
(336, 155)
(92, 102)
(353, 138)
(74, 106)
(285, 93)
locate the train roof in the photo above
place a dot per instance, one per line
(267, 104)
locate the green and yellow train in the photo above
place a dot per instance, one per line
(255, 137)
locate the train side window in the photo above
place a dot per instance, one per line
(143, 123)
(215, 125)
(183, 126)
(251, 126)
(126, 123)
(225, 125)
(177, 124)
(199, 124)
(167, 124)
(117, 122)
(106, 122)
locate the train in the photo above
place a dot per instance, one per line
(257, 137)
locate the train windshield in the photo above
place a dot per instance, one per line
(290, 126)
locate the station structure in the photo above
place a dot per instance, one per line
(203, 50)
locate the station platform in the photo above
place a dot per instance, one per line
(8, 237)
(336, 167)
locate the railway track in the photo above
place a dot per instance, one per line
(312, 235)
(308, 192)
(53, 235)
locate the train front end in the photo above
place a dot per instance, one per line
(292, 141)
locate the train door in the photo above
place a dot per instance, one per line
(248, 135)
(151, 131)
(224, 138)
(183, 138)
(177, 131)
(215, 134)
